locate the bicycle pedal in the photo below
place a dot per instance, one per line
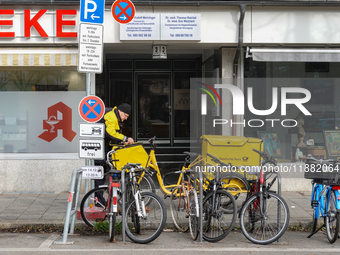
(314, 203)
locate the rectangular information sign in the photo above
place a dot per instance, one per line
(92, 172)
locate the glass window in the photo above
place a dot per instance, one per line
(121, 92)
(308, 134)
(36, 113)
(42, 80)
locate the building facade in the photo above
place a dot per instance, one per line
(263, 48)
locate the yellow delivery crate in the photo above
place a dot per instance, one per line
(134, 153)
(236, 150)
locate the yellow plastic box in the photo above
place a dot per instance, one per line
(236, 150)
(134, 153)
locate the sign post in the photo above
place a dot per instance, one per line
(90, 48)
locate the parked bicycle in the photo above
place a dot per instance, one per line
(325, 194)
(264, 216)
(219, 209)
(184, 206)
(231, 181)
(101, 204)
(145, 212)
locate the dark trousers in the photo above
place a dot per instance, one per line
(99, 182)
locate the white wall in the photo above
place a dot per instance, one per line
(37, 175)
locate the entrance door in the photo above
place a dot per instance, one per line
(154, 109)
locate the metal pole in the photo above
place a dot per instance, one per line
(123, 205)
(201, 207)
(69, 208)
(76, 196)
(88, 92)
(279, 205)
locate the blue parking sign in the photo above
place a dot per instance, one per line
(92, 11)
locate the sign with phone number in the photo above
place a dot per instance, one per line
(92, 172)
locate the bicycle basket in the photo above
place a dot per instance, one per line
(322, 171)
(134, 153)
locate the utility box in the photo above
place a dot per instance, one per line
(237, 150)
(134, 153)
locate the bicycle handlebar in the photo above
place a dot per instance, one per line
(151, 141)
(216, 160)
(185, 171)
(266, 157)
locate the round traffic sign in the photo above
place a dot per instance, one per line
(123, 11)
(91, 109)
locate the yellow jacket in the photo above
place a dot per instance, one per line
(113, 128)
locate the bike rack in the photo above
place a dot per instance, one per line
(72, 211)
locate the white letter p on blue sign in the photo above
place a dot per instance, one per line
(92, 11)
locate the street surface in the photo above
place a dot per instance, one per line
(167, 243)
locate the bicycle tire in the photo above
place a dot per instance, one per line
(193, 217)
(332, 218)
(151, 226)
(214, 229)
(265, 229)
(92, 209)
(112, 222)
(178, 209)
(237, 185)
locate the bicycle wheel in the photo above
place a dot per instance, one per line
(112, 222)
(178, 209)
(93, 207)
(144, 230)
(237, 185)
(193, 216)
(218, 221)
(268, 226)
(332, 218)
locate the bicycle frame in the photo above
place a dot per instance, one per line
(317, 192)
(152, 163)
(136, 194)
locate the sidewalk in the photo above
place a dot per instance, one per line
(19, 209)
